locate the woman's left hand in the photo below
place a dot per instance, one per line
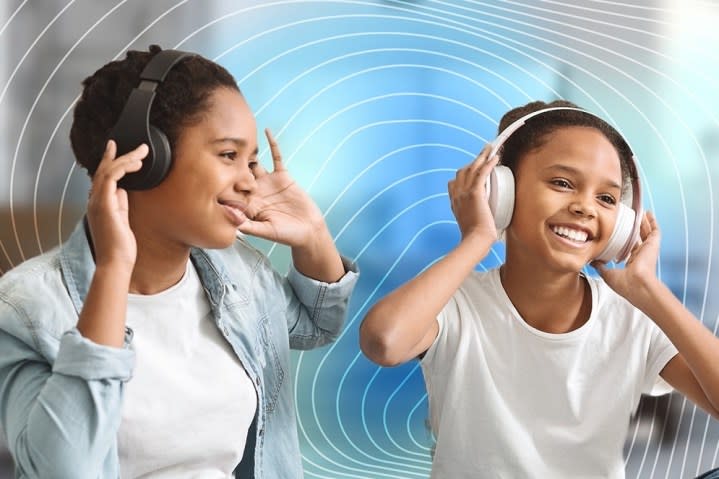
(279, 210)
(640, 268)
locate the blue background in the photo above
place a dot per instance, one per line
(375, 105)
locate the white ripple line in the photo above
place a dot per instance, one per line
(2, 30)
(345, 330)
(57, 125)
(69, 108)
(681, 189)
(2, 96)
(355, 259)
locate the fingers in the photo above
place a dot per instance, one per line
(474, 174)
(259, 229)
(111, 169)
(649, 227)
(275, 150)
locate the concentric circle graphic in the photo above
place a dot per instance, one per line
(375, 105)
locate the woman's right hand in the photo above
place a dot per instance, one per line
(107, 208)
(468, 197)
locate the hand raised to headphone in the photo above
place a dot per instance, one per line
(640, 268)
(468, 197)
(107, 208)
(279, 210)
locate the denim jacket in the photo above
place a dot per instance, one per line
(61, 394)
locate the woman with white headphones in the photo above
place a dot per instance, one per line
(533, 369)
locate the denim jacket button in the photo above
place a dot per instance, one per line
(261, 432)
(257, 380)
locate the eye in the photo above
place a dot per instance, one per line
(230, 155)
(561, 183)
(252, 164)
(608, 199)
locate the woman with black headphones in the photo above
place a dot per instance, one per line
(155, 341)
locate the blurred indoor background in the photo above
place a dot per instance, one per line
(375, 105)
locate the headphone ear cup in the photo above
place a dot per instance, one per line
(623, 236)
(500, 192)
(161, 158)
(155, 165)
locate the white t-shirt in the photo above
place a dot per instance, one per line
(189, 404)
(509, 401)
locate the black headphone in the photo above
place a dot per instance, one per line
(133, 126)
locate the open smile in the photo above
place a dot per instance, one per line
(575, 236)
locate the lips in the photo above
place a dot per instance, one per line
(234, 210)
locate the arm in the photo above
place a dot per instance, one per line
(280, 211)
(403, 325)
(695, 370)
(317, 289)
(60, 419)
(102, 318)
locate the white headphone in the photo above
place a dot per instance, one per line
(500, 190)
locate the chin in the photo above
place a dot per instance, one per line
(570, 265)
(217, 241)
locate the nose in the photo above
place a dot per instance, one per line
(245, 181)
(583, 205)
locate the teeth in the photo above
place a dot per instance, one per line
(574, 235)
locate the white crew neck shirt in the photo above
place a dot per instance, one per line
(189, 404)
(507, 400)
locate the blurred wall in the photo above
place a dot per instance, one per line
(375, 105)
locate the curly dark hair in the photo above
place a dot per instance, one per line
(537, 129)
(180, 101)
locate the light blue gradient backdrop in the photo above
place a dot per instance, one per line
(375, 105)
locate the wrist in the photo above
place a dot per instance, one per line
(478, 242)
(118, 271)
(646, 295)
(317, 241)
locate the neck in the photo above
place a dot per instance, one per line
(551, 301)
(160, 264)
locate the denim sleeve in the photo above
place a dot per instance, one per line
(316, 311)
(60, 419)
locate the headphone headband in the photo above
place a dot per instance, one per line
(133, 125)
(626, 231)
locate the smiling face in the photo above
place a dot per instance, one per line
(566, 200)
(201, 200)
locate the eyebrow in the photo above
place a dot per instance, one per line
(575, 171)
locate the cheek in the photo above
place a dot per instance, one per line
(607, 221)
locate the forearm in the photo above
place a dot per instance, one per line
(397, 324)
(102, 318)
(62, 419)
(319, 259)
(317, 310)
(63, 440)
(696, 344)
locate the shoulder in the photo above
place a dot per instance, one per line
(34, 301)
(480, 288)
(605, 298)
(615, 311)
(478, 295)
